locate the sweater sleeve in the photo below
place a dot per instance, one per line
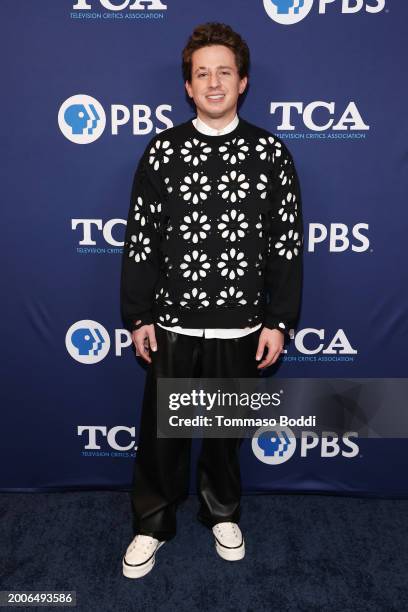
(284, 265)
(140, 259)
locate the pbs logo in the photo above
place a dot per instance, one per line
(275, 445)
(87, 341)
(287, 12)
(81, 119)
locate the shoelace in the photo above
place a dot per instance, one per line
(148, 543)
(223, 525)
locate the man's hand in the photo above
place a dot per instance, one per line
(273, 339)
(143, 339)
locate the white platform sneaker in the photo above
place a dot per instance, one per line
(140, 555)
(229, 541)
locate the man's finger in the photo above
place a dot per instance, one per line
(143, 349)
(270, 357)
(267, 358)
(260, 349)
(152, 338)
(139, 338)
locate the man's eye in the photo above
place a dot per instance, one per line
(202, 74)
(225, 72)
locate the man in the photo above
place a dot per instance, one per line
(211, 277)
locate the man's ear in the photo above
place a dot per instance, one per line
(242, 84)
(188, 89)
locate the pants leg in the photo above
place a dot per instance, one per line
(162, 465)
(218, 469)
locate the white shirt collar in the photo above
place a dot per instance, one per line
(206, 129)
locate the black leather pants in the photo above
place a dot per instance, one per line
(162, 465)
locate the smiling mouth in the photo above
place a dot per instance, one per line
(215, 97)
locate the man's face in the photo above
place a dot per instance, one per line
(215, 82)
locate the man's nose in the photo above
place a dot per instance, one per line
(214, 80)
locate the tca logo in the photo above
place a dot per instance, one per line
(95, 433)
(107, 230)
(310, 341)
(137, 5)
(318, 116)
(288, 12)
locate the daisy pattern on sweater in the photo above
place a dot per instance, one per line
(214, 234)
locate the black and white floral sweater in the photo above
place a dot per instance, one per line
(214, 235)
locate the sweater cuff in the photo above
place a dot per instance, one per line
(274, 323)
(144, 318)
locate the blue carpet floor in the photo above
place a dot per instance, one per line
(303, 552)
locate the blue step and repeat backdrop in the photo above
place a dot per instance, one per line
(86, 84)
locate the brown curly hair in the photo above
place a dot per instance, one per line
(213, 33)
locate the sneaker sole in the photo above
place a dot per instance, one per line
(230, 554)
(138, 571)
